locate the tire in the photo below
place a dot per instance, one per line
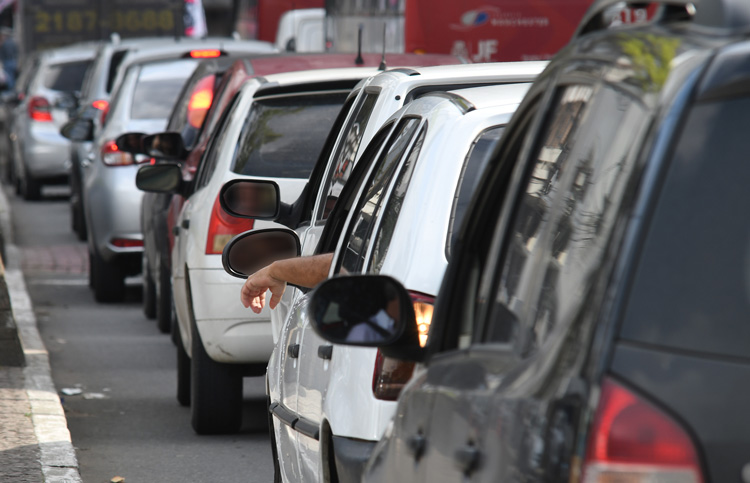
(164, 300)
(183, 373)
(149, 291)
(108, 280)
(77, 218)
(31, 188)
(215, 392)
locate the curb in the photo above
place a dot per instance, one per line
(57, 455)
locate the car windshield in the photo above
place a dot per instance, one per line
(67, 77)
(157, 88)
(283, 136)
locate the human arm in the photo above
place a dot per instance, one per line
(300, 271)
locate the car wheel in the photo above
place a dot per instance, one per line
(149, 291)
(215, 392)
(164, 300)
(108, 280)
(183, 372)
(31, 188)
(77, 218)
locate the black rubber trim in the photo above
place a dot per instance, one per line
(301, 425)
(285, 415)
(307, 428)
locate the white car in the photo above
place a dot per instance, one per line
(400, 208)
(273, 130)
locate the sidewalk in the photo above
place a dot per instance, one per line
(35, 443)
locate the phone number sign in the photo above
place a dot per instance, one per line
(50, 23)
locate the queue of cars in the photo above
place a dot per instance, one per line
(538, 272)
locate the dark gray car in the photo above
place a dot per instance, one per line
(592, 321)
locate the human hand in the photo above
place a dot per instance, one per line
(253, 293)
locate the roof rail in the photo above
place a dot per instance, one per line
(114, 37)
(728, 14)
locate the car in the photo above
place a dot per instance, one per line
(271, 130)
(590, 325)
(369, 105)
(328, 411)
(160, 210)
(145, 90)
(47, 90)
(97, 90)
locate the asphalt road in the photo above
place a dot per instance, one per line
(126, 420)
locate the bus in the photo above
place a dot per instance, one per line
(478, 30)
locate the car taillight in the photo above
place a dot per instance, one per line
(126, 243)
(423, 307)
(632, 440)
(200, 101)
(223, 227)
(390, 375)
(103, 106)
(39, 109)
(205, 53)
(112, 156)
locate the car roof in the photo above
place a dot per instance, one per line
(79, 51)
(315, 76)
(288, 62)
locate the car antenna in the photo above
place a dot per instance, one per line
(359, 60)
(382, 65)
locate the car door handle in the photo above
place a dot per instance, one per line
(185, 224)
(416, 445)
(175, 230)
(293, 351)
(85, 162)
(467, 458)
(325, 351)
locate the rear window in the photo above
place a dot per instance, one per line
(282, 137)
(67, 77)
(691, 289)
(157, 88)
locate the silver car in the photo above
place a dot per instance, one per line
(47, 91)
(144, 94)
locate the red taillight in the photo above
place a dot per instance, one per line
(39, 109)
(632, 440)
(390, 375)
(200, 101)
(223, 227)
(103, 106)
(205, 53)
(126, 243)
(112, 156)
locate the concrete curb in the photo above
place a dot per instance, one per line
(57, 455)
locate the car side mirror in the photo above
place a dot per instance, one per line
(130, 142)
(248, 252)
(367, 310)
(165, 145)
(245, 198)
(160, 178)
(78, 129)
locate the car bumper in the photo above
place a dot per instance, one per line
(351, 456)
(230, 332)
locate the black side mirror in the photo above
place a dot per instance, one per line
(367, 310)
(246, 198)
(160, 178)
(130, 142)
(165, 145)
(67, 102)
(248, 252)
(78, 129)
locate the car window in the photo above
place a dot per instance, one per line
(66, 77)
(346, 153)
(691, 288)
(368, 208)
(157, 88)
(207, 164)
(387, 221)
(114, 65)
(474, 164)
(282, 136)
(566, 213)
